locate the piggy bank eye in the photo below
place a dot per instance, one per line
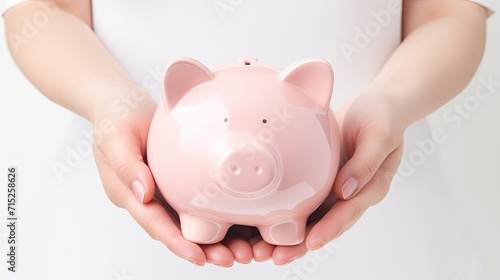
(264, 121)
(226, 120)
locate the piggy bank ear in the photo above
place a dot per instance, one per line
(314, 77)
(182, 75)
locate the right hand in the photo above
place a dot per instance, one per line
(119, 151)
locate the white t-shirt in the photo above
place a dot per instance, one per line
(355, 36)
(411, 235)
(276, 32)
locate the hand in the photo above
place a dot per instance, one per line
(119, 148)
(372, 143)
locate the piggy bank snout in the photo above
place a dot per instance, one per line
(248, 172)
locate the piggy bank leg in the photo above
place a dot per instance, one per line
(289, 232)
(201, 230)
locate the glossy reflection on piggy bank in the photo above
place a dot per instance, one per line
(246, 144)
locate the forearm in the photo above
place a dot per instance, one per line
(65, 60)
(439, 54)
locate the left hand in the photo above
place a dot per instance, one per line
(372, 143)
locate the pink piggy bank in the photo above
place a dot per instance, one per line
(246, 144)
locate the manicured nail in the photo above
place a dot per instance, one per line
(316, 245)
(287, 263)
(349, 188)
(139, 190)
(195, 263)
(223, 266)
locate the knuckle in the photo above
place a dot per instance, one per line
(114, 194)
(148, 224)
(384, 179)
(126, 169)
(358, 208)
(382, 182)
(112, 197)
(121, 166)
(384, 133)
(357, 211)
(378, 198)
(381, 129)
(368, 166)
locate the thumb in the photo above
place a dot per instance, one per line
(368, 156)
(126, 160)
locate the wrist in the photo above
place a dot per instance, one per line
(131, 108)
(400, 102)
(120, 102)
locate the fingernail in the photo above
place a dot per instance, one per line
(287, 263)
(195, 263)
(349, 188)
(139, 190)
(317, 245)
(223, 266)
(317, 242)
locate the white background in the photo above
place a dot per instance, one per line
(471, 152)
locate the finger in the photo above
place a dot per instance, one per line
(321, 210)
(340, 218)
(262, 251)
(160, 226)
(369, 154)
(345, 213)
(286, 254)
(123, 153)
(218, 254)
(240, 248)
(381, 181)
(236, 241)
